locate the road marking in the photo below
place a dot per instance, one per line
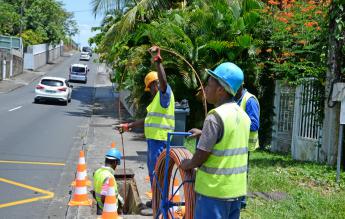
(31, 162)
(46, 193)
(15, 108)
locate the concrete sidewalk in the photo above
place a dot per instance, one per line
(100, 136)
(28, 76)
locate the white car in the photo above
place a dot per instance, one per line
(53, 88)
(78, 72)
(84, 56)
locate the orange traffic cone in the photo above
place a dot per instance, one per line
(149, 194)
(110, 205)
(178, 211)
(80, 190)
(81, 168)
(113, 144)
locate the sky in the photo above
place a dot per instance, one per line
(84, 17)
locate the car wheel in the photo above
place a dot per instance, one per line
(36, 100)
(69, 100)
(65, 103)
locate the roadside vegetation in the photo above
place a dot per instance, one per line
(270, 40)
(307, 190)
(280, 187)
(36, 21)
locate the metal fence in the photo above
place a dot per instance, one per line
(10, 42)
(283, 120)
(309, 125)
(297, 125)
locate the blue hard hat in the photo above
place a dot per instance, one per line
(229, 75)
(114, 154)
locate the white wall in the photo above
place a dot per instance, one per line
(39, 55)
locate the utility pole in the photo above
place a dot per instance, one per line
(21, 17)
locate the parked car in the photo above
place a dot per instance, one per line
(78, 72)
(53, 88)
(84, 56)
(87, 49)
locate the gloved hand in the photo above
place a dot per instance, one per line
(156, 54)
(122, 127)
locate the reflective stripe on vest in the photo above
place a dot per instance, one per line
(100, 176)
(254, 135)
(224, 173)
(159, 120)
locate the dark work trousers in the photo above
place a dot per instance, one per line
(243, 199)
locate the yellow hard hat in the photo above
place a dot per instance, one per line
(149, 78)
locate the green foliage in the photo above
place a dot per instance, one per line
(202, 35)
(37, 21)
(31, 37)
(9, 19)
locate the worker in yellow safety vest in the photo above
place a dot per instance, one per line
(101, 179)
(250, 104)
(160, 117)
(222, 151)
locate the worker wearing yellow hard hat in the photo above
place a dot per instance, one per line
(160, 117)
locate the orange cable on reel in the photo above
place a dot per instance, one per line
(176, 155)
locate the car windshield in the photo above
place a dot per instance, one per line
(52, 83)
(78, 69)
(86, 49)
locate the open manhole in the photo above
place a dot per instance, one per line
(132, 201)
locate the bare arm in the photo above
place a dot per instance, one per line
(197, 160)
(136, 124)
(156, 54)
(161, 77)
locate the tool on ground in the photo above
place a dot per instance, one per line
(80, 196)
(110, 206)
(161, 202)
(82, 166)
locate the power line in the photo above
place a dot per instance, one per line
(82, 10)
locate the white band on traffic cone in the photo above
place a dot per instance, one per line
(80, 190)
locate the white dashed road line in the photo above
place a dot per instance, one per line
(15, 108)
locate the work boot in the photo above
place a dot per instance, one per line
(144, 210)
(149, 204)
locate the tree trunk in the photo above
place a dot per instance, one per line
(331, 120)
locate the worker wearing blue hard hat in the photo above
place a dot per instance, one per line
(222, 151)
(101, 179)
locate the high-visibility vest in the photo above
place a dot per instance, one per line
(159, 120)
(224, 174)
(254, 135)
(100, 176)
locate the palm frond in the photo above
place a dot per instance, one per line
(101, 7)
(146, 8)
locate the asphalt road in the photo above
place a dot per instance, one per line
(38, 133)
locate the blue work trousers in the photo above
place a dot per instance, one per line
(213, 208)
(154, 149)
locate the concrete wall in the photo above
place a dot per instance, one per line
(11, 63)
(40, 55)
